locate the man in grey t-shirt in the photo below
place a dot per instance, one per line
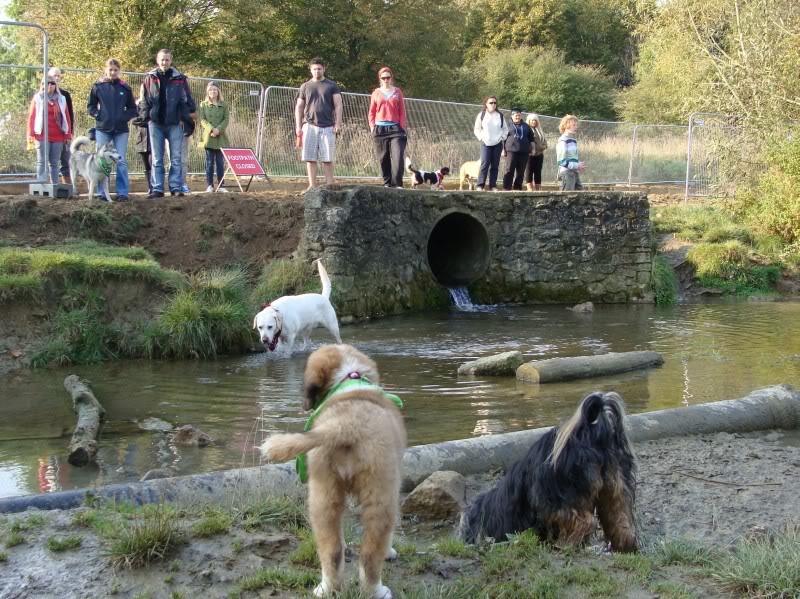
(318, 118)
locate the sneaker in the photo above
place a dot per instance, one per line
(155, 194)
(120, 198)
(222, 190)
(210, 189)
(178, 193)
(478, 188)
(185, 188)
(494, 189)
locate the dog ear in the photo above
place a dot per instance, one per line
(255, 321)
(592, 407)
(320, 371)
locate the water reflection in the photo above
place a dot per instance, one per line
(712, 352)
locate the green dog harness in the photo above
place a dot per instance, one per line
(352, 382)
(105, 166)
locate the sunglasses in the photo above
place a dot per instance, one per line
(51, 83)
(385, 78)
(491, 102)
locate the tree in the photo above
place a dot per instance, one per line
(541, 81)
(601, 33)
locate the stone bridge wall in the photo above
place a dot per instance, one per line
(386, 248)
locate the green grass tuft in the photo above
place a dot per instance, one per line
(285, 277)
(679, 551)
(281, 511)
(718, 259)
(57, 545)
(279, 579)
(453, 547)
(766, 567)
(144, 540)
(664, 283)
(306, 552)
(213, 522)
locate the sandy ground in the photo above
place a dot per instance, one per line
(711, 489)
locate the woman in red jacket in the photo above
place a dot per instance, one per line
(51, 105)
(387, 121)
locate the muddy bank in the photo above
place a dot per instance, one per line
(713, 489)
(189, 233)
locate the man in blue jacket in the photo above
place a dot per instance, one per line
(112, 105)
(165, 98)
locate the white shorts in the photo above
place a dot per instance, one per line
(319, 143)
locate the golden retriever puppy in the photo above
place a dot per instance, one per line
(469, 174)
(354, 441)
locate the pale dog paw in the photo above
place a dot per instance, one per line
(381, 592)
(323, 589)
(391, 555)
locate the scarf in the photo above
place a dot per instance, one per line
(61, 118)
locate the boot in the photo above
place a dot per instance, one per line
(67, 180)
(538, 186)
(529, 187)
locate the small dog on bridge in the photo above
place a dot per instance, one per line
(585, 465)
(434, 179)
(353, 446)
(291, 316)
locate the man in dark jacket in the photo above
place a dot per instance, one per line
(55, 74)
(517, 147)
(112, 105)
(165, 98)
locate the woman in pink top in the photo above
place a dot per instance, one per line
(387, 121)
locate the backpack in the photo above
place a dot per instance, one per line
(502, 119)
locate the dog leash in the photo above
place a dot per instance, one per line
(351, 382)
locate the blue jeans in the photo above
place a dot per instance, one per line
(214, 157)
(174, 135)
(490, 163)
(120, 141)
(48, 165)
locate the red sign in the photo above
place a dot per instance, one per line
(243, 162)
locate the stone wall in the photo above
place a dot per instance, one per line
(542, 247)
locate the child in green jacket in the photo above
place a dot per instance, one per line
(213, 115)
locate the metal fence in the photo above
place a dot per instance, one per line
(12, 122)
(20, 82)
(439, 134)
(711, 139)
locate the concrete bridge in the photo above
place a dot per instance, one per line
(389, 251)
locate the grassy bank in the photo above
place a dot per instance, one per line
(182, 316)
(727, 253)
(153, 549)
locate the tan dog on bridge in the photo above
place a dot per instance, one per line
(469, 174)
(355, 445)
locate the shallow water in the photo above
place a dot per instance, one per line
(712, 352)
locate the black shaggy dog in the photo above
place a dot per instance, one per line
(585, 465)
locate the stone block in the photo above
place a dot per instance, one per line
(439, 497)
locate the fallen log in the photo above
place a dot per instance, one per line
(582, 367)
(83, 447)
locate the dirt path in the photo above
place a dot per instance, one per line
(712, 490)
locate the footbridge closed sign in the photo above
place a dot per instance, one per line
(243, 162)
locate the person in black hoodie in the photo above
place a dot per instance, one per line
(55, 74)
(112, 105)
(165, 99)
(517, 148)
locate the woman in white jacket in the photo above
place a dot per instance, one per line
(491, 130)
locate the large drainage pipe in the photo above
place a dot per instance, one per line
(773, 407)
(458, 249)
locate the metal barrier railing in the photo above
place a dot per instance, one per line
(243, 97)
(439, 134)
(13, 124)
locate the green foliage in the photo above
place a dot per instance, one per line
(587, 32)
(765, 567)
(772, 205)
(540, 80)
(57, 545)
(718, 259)
(285, 277)
(281, 511)
(664, 283)
(306, 552)
(213, 522)
(143, 540)
(279, 579)
(454, 547)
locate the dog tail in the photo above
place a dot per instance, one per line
(284, 447)
(326, 281)
(410, 166)
(604, 413)
(78, 142)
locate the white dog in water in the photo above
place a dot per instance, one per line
(292, 315)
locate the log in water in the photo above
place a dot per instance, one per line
(83, 447)
(583, 367)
